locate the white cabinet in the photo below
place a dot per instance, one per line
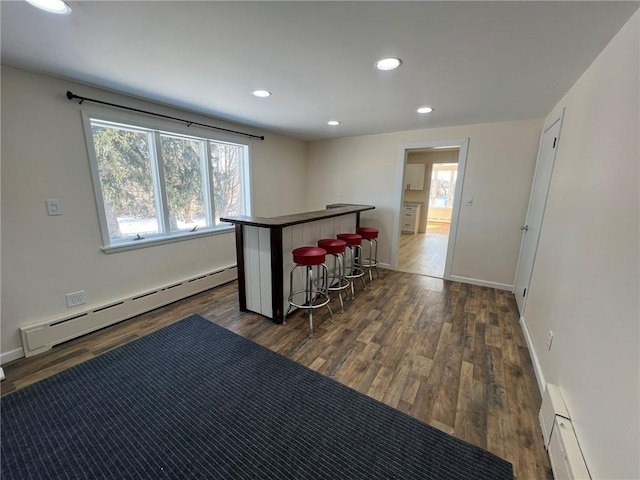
(410, 217)
(414, 176)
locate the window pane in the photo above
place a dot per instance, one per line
(443, 184)
(126, 180)
(183, 160)
(226, 162)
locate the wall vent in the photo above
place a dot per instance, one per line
(40, 337)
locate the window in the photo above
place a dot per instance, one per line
(154, 185)
(443, 184)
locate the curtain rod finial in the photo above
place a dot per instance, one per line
(70, 95)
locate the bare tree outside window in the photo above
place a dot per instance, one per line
(128, 193)
(226, 162)
(183, 159)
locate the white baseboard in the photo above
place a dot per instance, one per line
(537, 368)
(11, 355)
(481, 283)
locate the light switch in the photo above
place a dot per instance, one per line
(53, 207)
(468, 200)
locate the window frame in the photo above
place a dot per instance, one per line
(156, 129)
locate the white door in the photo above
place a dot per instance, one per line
(535, 213)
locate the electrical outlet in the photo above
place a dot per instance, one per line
(549, 340)
(53, 207)
(76, 298)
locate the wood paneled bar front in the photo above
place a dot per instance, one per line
(263, 247)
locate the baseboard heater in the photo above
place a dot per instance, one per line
(560, 438)
(42, 336)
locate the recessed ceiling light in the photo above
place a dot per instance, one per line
(261, 93)
(390, 63)
(333, 123)
(52, 6)
(425, 110)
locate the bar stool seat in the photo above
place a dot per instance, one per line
(367, 232)
(352, 239)
(337, 280)
(315, 294)
(309, 255)
(370, 235)
(332, 245)
(354, 270)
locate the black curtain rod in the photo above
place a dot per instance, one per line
(72, 96)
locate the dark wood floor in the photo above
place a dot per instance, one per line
(449, 354)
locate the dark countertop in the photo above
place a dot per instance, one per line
(333, 210)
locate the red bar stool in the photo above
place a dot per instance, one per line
(354, 270)
(315, 294)
(368, 263)
(337, 280)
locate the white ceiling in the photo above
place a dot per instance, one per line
(474, 62)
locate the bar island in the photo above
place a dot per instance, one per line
(263, 252)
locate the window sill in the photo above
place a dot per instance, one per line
(152, 242)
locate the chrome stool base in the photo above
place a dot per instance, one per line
(354, 270)
(314, 295)
(371, 262)
(337, 280)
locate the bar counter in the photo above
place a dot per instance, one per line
(263, 252)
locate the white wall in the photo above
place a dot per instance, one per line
(585, 285)
(44, 155)
(498, 174)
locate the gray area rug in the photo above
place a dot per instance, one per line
(194, 400)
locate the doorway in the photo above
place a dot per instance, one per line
(427, 247)
(423, 244)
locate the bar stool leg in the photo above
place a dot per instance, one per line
(358, 263)
(368, 265)
(353, 293)
(309, 283)
(339, 266)
(337, 277)
(375, 257)
(325, 282)
(354, 266)
(372, 260)
(314, 285)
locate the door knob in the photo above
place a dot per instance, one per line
(525, 228)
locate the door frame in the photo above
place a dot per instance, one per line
(463, 146)
(559, 117)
